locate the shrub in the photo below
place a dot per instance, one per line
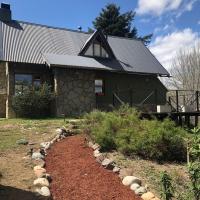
(122, 130)
(33, 102)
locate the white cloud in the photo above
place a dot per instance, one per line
(157, 7)
(165, 48)
(187, 6)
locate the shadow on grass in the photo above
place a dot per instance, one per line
(11, 193)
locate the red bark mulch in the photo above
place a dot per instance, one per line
(77, 176)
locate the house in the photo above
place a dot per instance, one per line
(86, 70)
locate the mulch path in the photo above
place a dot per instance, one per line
(77, 176)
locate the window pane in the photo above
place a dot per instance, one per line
(97, 50)
(104, 53)
(89, 52)
(22, 82)
(99, 86)
(36, 81)
(23, 78)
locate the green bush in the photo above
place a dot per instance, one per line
(123, 130)
(33, 102)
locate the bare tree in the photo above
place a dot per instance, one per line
(185, 69)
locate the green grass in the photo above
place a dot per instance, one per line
(12, 130)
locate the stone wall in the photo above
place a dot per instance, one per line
(3, 89)
(75, 91)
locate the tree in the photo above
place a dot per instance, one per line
(185, 69)
(112, 22)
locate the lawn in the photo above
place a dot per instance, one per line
(36, 130)
(16, 168)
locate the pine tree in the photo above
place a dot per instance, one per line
(112, 22)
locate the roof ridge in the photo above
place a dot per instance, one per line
(72, 30)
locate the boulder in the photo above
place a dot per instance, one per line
(96, 153)
(134, 186)
(39, 162)
(59, 131)
(45, 145)
(129, 180)
(100, 158)
(155, 198)
(96, 146)
(44, 191)
(37, 156)
(140, 191)
(90, 144)
(116, 169)
(148, 196)
(41, 182)
(107, 163)
(39, 172)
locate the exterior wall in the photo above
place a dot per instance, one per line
(75, 91)
(131, 88)
(3, 89)
(21, 68)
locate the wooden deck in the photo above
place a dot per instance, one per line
(188, 119)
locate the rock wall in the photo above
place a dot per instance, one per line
(3, 89)
(75, 91)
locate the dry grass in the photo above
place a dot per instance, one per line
(150, 173)
(15, 167)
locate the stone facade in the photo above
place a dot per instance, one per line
(3, 89)
(75, 91)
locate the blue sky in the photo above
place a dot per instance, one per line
(174, 23)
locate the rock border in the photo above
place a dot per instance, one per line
(43, 179)
(133, 182)
(42, 183)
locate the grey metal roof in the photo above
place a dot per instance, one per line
(83, 62)
(27, 43)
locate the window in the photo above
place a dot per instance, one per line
(25, 81)
(99, 87)
(36, 81)
(96, 49)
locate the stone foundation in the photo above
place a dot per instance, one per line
(3, 89)
(75, 91)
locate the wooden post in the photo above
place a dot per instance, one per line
(196, 120)
(131, 97)
(113, 100)
(177, 108)
(156, 96)
(197, 100)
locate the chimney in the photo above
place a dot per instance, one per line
(5, 13)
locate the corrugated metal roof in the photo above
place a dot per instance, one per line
(83, 62)
(26, 42)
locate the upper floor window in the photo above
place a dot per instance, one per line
(25, 81)
(96, 49)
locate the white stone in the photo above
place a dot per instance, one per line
(129, 180)
(134, 186)
(44, 191)
(37, 167)
(148, 196)
(106, 162)
(96, 146)
(90, 144)
(59, 131)
(41, 182)
(37, 155)
(140, 191)
(96, 153)
(45, 145)
(116, 169)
